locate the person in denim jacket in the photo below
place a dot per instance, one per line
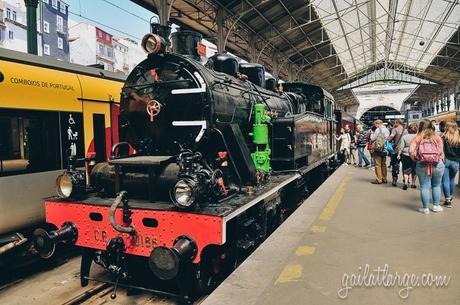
(451, 141)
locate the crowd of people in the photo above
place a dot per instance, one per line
(427, 152)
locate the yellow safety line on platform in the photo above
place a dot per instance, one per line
(335, 200)
(318, 229)
(290, 274)
(305, 250)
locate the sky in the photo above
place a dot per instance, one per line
(118, 17)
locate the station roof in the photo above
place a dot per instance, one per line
(333, 43)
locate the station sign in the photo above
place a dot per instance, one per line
(72, 135)
(394, 116)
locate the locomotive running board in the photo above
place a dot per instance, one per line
(298, 174)
(254, 202)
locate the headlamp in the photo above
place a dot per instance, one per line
(70, 184)
(151, 43)
(182, 193)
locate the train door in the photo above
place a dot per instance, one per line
(330, 123)
(97, 122)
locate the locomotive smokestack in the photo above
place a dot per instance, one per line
(164, 31)
(187, 43)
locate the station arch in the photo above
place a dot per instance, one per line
(378, 112)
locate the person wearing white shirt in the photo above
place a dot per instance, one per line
(345, 143)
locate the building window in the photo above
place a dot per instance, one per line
(10, 35)
(101, 49)
(8, 13)
(46, 27)
(14, 15)
(46, 1)
(109, 52)
(60, 24)
(99, 34)
(46, 49)
(62, 7)
(60, 43)
(54, 3)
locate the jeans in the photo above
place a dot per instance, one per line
(448, 179)
(345, 155)
(394, 165)
(361, 156)
(428, 182)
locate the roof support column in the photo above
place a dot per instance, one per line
(439, 103)
(290, 71)
(457, 96)
(220, 19)
(439, 99)
(275, 64)
(443, 102)
(448, 101)
(164, 10)
(31, 11)
(452, 98)
(252, 48)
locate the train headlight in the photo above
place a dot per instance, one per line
(151, 43)
(71, 183)
(183, 193)
(64, 185)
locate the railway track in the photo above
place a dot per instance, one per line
(61, 286)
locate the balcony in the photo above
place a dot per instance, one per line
(15, 22)
(105, 58)
(2, 22)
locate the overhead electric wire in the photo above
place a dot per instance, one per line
(126, 11)
(104, 25)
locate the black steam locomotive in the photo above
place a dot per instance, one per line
(211, 160)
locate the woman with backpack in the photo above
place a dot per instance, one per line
(378, 138)
(451, 138)
(428, 152)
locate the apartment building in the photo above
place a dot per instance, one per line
(90, 45)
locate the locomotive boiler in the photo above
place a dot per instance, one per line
(211, 159)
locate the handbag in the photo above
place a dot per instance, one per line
(389, 147)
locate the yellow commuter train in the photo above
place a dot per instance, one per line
(48, 110)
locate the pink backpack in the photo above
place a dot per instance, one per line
(429, 152)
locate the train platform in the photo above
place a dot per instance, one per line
(353, 242)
